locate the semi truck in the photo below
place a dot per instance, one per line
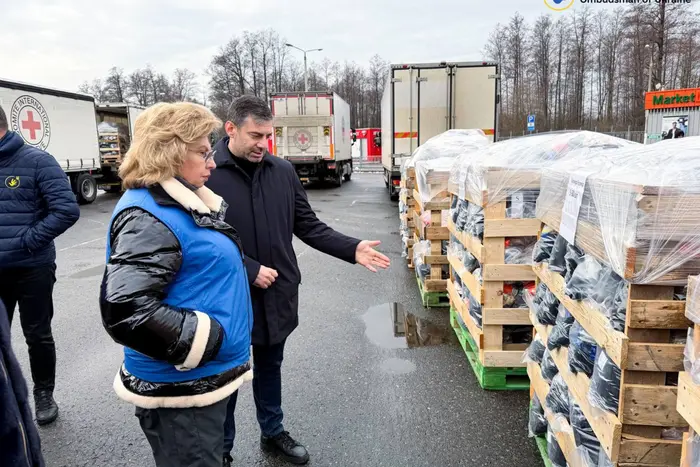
(65, 124)
(312, 131)
(422, 100)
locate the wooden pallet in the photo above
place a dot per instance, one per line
(542, 447)
(646, 355)
(688, 404)
(432, 299)
(436, 234)
(499, 378)
(491, 255)
(408, 184)
(565, 436)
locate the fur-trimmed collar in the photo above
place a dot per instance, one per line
(202, 200)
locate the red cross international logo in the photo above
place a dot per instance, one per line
(29, 119)
(302, 139)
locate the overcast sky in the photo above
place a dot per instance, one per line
(61, 43)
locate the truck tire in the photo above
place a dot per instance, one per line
(85, 188)
(347, 177)
(338, 182)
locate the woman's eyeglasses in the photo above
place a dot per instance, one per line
(206, 155)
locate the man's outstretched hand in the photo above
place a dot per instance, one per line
(266, 276)
(370, 258)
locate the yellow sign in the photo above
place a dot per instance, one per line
(12, 182)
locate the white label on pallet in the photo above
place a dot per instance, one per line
(517, 205)
(572, 205)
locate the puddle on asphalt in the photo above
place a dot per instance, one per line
(89, 272)
(392, 327)
(397, 366)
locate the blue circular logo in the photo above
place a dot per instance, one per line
(558, 5)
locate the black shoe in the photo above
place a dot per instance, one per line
(228, 460)
(46, 408)
(286, 446)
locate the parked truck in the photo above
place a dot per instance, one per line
(312, 131)
(422, 100)
(65, 124)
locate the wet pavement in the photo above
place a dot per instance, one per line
(370, 377)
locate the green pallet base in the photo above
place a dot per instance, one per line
(542, 446)
(498, 379)
(432, 299)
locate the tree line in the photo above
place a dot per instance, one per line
(591, 70)
(256, 63)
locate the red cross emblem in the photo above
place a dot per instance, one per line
(302, 139)
(31, 125)
(30, 119)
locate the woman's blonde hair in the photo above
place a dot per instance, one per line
(159, 143)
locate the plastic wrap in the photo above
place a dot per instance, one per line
(637, 210)
(557, 261)
(545, 305)
(603, 459)
(604, 391)
(581, 284)
(692, 455)
(554, 452)
(470, 262)
(584, 436)
(548, 368)
(537, 423)
(559, 336)
(573, 257)
(475, 310)
(535, 351)
(498, 171)
(420, 250)
(692, 305)
(582, 350)
(543, 248)
(515, 294)
(690, 363)
(431, 178)
(519, 250)
(558, 400)
(610, 296)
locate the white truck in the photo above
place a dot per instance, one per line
(422, 100)
(65, 124)
(312, 131)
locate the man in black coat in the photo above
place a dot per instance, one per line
(268, 207)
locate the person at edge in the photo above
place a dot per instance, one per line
(174, 291)
(271, 207)
(37, 205)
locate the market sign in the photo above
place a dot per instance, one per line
(672, 99)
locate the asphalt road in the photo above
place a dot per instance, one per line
(353, 393)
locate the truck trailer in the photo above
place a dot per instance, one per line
(422, 100)
(60, 123)
(88, 140)
(312, 131)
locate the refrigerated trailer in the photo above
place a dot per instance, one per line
(312, 131)
(73, 129)
(422, 100)
(60, 123)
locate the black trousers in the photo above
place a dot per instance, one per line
(267, 393)
(189, 437)
(32, 289)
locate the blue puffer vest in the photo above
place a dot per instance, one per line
(212, 280)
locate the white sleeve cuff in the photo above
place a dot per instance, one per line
(199, 343)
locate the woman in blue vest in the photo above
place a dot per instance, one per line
(175, 292)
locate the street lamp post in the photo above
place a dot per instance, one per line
(306, 77)
(646, 112)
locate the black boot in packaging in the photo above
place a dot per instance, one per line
(604, 391)
(559, 336)
(548, 368)
(582, 350)
(556, 261)
(543, 248)
(558, 397)
(537, 425)
(585, 438)
(584, 279)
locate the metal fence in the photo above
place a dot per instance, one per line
(632, 135)
(359, 165)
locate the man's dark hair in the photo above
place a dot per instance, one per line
(3, 120)
(248, 106)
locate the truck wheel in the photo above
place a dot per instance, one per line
(85, 188)
(339, 180)
(347, 177)
(113, 188)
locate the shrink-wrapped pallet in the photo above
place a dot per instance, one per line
(639, 209)
(433, 160)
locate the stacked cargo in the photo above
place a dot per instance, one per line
(689, 380)
(620, 236)
(406, 207)
(493, 231)
(433, 162)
